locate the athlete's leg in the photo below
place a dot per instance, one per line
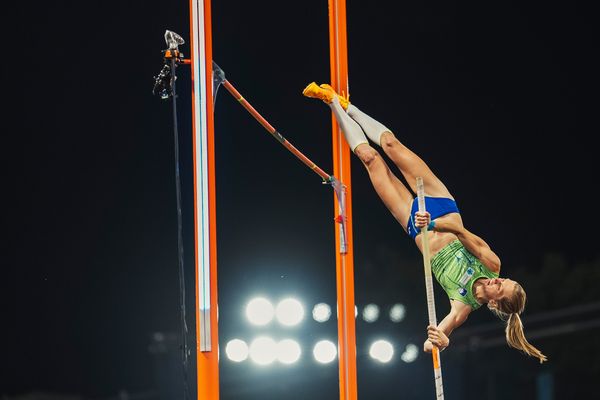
(394, 194)
(411, 165)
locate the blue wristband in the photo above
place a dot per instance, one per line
(431, 225)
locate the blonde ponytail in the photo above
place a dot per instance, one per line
(515, 337)
(508, 310)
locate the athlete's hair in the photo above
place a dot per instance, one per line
(508, 309)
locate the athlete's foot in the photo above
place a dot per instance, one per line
(344, 100)
(325, 93)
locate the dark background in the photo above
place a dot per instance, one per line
(498, 97)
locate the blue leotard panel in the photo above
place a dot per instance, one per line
(435, 206)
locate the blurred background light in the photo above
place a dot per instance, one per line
(263, 350)
(289, 312)
(288, 351)
(397, 312)
(382, 351)
(411, 352)
(325, 351)
(237, 350)
(370, 312)
(321, 312)
(259, 311)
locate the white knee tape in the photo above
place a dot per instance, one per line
(373, 128)
(352, 131)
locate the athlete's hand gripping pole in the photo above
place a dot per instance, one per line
(437, 366)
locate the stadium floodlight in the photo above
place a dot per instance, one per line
(263, 350)
(288, 351)
(289, 312)
(370, 313)
(259, 311)
(382, 351)
(411, 352)
(325, 351)
(237, 350)
(397, 312)
(321, 312)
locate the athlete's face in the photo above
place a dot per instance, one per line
(499, 288)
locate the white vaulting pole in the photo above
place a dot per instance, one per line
(437, 366)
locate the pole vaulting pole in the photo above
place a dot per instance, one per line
(338, 57)
(437, 365)
(207, 344)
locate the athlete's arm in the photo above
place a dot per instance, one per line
(480, 249)
(453, 223)
(438, 335)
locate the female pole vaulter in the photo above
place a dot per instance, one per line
(462, 263)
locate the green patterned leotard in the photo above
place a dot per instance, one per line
(456, 269)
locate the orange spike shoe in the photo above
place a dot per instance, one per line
(324, 92)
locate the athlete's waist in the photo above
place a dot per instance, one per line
(438, 241)
(436, 206)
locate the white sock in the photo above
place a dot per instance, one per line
(374, 129)
(352, 132)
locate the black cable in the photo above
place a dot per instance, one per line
(184, 330)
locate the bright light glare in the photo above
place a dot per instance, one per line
(288, 351)
(410, 353)
(370, 313)
(263, 350)
(325, 351)
(237, 350)
(397, 312)
(382, 351)
(259, 311)
(289, 312)
(321, 312)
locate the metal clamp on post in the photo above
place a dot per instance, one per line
(340, 192)
(165, 80)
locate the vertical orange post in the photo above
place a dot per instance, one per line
(338, 57)
(207, 344)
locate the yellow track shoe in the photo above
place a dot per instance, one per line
(324, 92)
(344, 100)
(314, 91)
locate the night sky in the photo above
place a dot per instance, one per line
(498, 97)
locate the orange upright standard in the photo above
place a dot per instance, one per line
(205, 221)
(338, 57)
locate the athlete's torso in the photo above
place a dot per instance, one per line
(456, 270)
(438, 240)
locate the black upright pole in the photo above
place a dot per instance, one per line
(184, 330)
